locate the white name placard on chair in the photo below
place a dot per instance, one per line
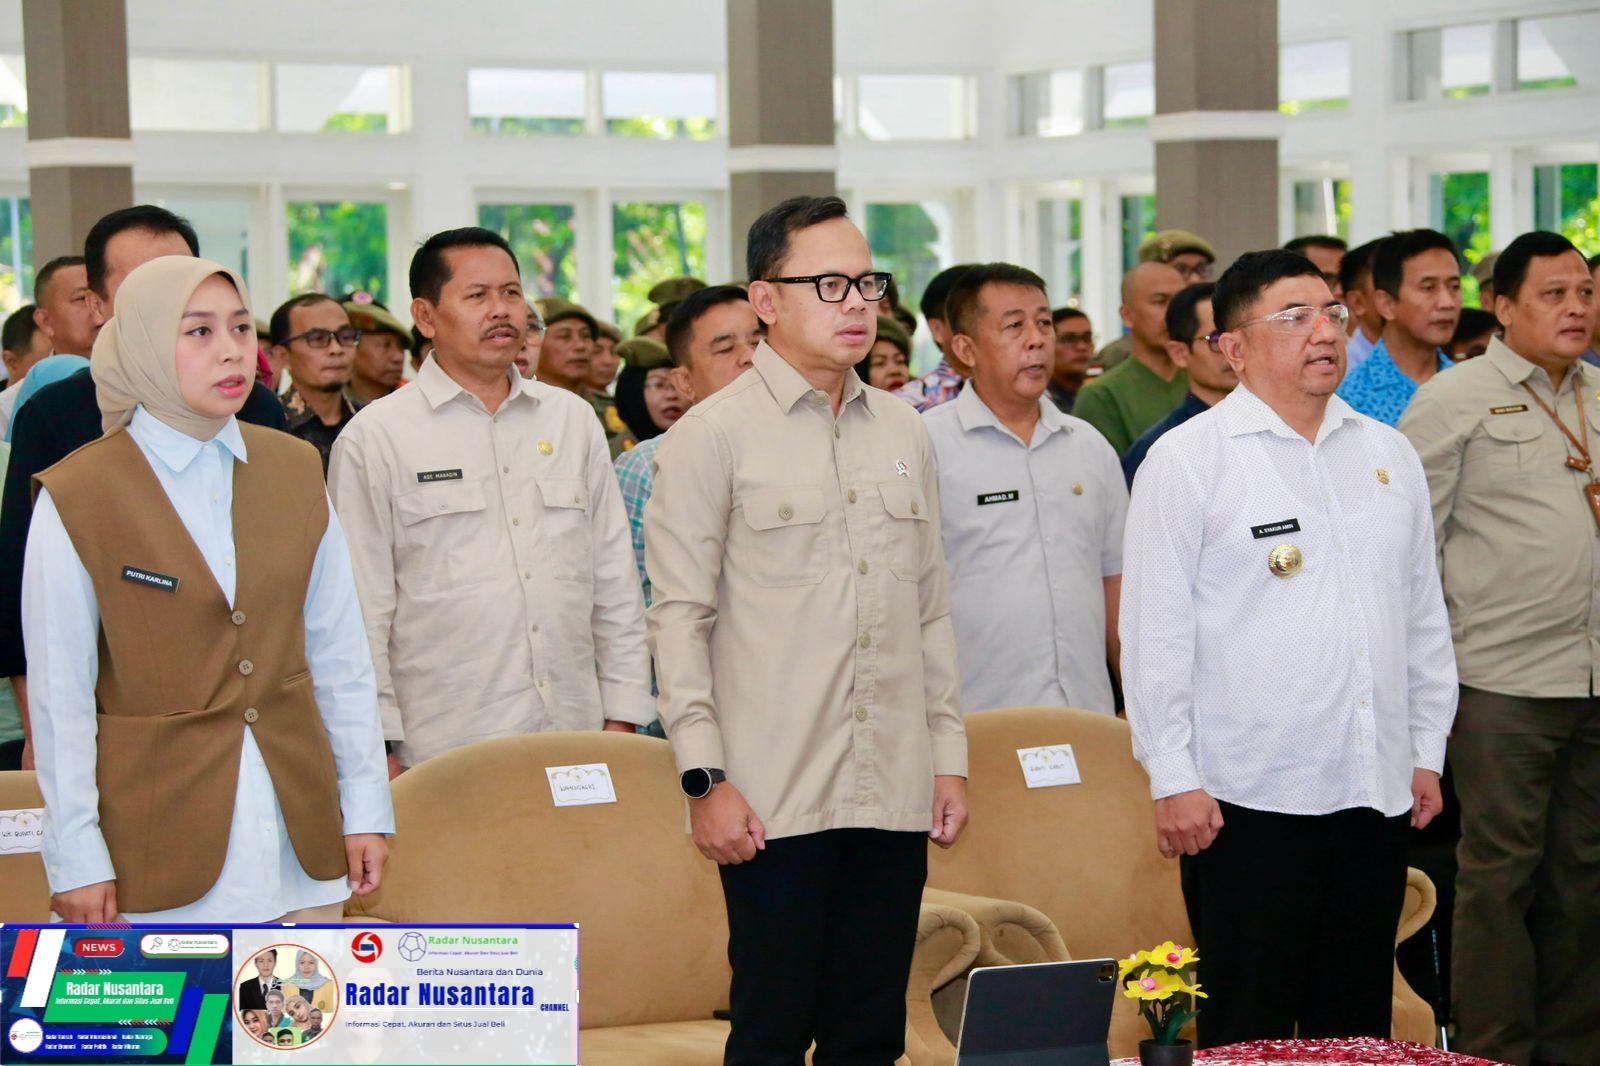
(1049, 766)
(575, 786)
(21, 830)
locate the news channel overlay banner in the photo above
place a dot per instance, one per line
(281, 994)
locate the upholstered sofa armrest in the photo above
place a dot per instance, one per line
(947, 944)
(1011, 933)
(1412, 1016)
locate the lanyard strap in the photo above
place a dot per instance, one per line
(1581, 461)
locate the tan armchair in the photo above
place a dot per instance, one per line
(24, 891)
(1084, 857)
(479, 840)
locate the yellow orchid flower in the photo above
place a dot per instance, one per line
(1156, 985)
(1193, 990)
(1131, 963)
(1172, 956)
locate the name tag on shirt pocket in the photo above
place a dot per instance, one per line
(1048, 766)
(438, 498)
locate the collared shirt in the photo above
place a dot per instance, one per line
(635, 475)
(1379, 389)
(491, 551)
(1518, 544)
(1302, 694)
(1134, 456)
(801, 622)
(261, 878)
(1127, 400)
(939, 385)
(1031, 532)
(1357, 350)
(309, 426)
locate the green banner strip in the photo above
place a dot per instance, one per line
(207, 1026)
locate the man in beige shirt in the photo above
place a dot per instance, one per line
(805, 654)
(490, 546)
(1507, 441)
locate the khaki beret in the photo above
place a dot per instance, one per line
(672, 290)
(606, 329)
(893, 332)
(1164, 246)
(651, 319)
(646, 353)
(555, 309)
(1483, 269)
(370, 318)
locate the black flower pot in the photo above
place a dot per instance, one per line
(1154, 1054)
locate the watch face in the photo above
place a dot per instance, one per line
(696, 783)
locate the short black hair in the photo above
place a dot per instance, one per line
(1473, 323)
(17, 334)
(965, 299)
(430, 272)
(1511, 269)
(767, 244)
(278, 328)
(937, 293)
(1594, 261)
(1316, 240)
(147, 217)
(1356, 263)
(1061, 314)
(1243, 282)
(42, 279)
(1389, 261)
(687, 311)
(1183, 320)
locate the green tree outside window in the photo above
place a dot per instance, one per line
(650, 242)
(337, 247)
(545, 244)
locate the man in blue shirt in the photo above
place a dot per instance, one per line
(1192, 345)
(1416, 286)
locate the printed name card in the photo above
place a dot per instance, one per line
(1049, 766)
(575, 786)
(21, 830)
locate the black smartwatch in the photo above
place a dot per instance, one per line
(698, 783)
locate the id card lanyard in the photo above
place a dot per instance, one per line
(1582, 462)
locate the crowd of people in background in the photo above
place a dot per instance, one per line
(1308, 521)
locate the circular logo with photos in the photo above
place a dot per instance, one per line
(286, 996)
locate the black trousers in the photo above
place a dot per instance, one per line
(820, 933)
(1294, 917)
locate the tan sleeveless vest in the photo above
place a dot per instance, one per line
(181, 674)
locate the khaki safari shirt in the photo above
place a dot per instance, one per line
(801, 612)
(1519, 548)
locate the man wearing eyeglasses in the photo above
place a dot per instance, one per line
(313, 339)
(1194, 345)
(1074, 349)
(819, 754)
(1287, 664)
(1509, 441)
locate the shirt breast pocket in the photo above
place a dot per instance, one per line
(441, 524)
(907, 517)
(1509, 445)
(564, 527)
(787, 543)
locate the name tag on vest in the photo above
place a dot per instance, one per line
(150, 578)
(426, 476)
(1273, 529)
(1009, 496)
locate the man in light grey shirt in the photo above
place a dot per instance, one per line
(1033, 502)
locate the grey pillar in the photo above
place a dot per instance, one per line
(780, 108)
(80, 153)
(1217, 124)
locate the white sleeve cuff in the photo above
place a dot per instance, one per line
(1172, 772)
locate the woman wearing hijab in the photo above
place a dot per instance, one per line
(646, 398)
(171, 686)
(308, 984)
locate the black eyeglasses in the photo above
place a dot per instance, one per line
(349, 337)
(833, 288)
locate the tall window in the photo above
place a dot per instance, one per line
(1452, 62)
(1458, 207)
(1129, 94)
(522, 102)
(16, 253)
(13, 91)
(650, 242)
(1138, 222)
(913, 241)
(545, 241)
(1061, 249)
(1322, 206)
(1314, 76)
(340, 246)
(914, 107)
(1566, 199)
(660, 106)
(330, 98)
(1047, 104)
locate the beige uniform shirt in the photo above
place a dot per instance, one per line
(1518, 546)
(494, 564)
(801, 612)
